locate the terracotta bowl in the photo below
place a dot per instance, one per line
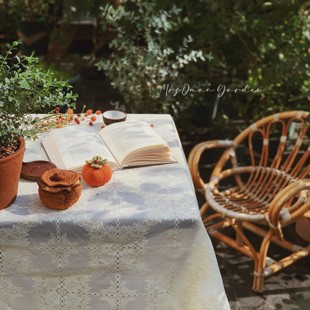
(303, 227)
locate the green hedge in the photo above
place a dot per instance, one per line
(259, 44)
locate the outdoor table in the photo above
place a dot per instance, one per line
(136, 243)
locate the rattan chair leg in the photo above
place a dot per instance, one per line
(262, 233)
(286, 261)
(247, 247)
(240, 228)
(259, 271)
(204, 208)
(230, 242)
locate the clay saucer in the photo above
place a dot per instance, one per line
(33, 170)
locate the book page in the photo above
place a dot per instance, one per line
(69, 147)
(135, 142)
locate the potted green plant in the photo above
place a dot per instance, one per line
(25, 88)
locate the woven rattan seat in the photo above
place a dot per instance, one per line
(264, 195)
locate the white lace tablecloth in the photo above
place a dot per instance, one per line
(136, 243)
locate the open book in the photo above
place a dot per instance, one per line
(124, 144)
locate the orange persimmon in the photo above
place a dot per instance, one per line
(96, 172)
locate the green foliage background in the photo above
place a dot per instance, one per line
(262, 44)
(205, 43)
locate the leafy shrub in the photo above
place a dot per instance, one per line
(262, 44)
(144, 59)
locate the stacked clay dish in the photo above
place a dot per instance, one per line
(59, 189)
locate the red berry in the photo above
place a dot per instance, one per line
(90, 123)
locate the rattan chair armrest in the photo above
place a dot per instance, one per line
(195, 155)
(285, 208)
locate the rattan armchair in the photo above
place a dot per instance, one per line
(264, 194)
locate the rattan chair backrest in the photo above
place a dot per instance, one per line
(290, 131)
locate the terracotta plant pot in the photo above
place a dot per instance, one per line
(303, 227)
(10, 168)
